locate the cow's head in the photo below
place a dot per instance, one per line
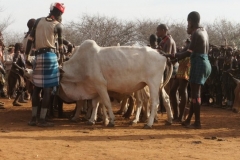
(61, 93)
(28, 74)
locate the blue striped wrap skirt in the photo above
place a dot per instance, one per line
(45, 70)
(200, 68)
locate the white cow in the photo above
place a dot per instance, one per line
(95, 70)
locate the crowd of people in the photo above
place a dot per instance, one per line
(192, 66)
(202, 72)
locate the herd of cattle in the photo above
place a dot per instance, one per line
(130, 74)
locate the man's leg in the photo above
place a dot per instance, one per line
(44, 108)
(19, 93)
(174, 98)
(196, 101)
(35, 103)
(183, 84)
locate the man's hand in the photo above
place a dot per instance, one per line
(70, 48)
(61, 50)
(27, 62)
(21, 71)
(168, 55)
(173, 61)
(2, 70)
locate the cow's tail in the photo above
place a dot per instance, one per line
(168, 76)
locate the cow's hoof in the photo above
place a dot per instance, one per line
(234, 110)
(62, 115)
(155, 120)
(75, 120)
(133, 123)
(111, 124)
(147, 127)
(99, 119)
(144, 120)
(106, 122)
(119, 112)
(90, 123)
(126, 116)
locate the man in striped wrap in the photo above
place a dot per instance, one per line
(45, 32)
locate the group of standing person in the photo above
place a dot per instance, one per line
(12, 73)
(191, 65)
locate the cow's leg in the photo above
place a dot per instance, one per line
(166, 103)
(105, 116)
(130, 109)
(106, 101)
(85, 106)
(123, 105)
(100, 112)
(79, 105)
(154, 104)
(88, 103)
(139, 108)
(95, 103)
(146, 112)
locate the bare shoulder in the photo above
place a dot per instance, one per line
(200, 30)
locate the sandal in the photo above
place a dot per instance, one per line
(43, 123)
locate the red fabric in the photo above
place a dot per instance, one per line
(60, 6)
(163, 41)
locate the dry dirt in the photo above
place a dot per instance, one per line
(218, 139)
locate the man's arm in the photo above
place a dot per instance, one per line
(2, 70)
(59, 30)
(187, 53)
(31, 39)
(168, 48)
(69, 45)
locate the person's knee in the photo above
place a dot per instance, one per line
(173, 91)
(182, 91)
(196, 100)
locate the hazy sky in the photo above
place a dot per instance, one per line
(177, 10)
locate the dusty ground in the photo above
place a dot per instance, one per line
(218, 139)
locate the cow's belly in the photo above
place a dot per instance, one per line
(70, 91)
(125, 87)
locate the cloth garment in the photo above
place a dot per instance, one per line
(45, 70)
(200, 68)
(184, 69)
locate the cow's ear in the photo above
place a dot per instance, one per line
(61, 71)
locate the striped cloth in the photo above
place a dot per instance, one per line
(45, 70)
(200, 68)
